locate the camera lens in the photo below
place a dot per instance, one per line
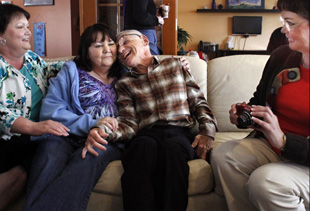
(245, 120)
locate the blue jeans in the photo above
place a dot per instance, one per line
(60, 179)
(151, 35)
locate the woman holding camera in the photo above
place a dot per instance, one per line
(269, 170)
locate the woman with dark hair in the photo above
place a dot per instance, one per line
(23, 83)
(81, 96)
(269, 170)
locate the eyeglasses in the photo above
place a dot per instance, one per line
(124, 38)
(288, 25)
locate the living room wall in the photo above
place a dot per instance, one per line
(202, 26)
(58, 26)
(218, 26)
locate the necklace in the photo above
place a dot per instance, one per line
(106, 81)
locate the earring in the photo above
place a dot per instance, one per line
(3, 42)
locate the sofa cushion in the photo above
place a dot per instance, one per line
(232, 79)
(200, 178)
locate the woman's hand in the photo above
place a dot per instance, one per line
(96, 138)
(110, 122)
(51, 127)
(233, 114)
(268, 124)
(203, 144)
(25, 126)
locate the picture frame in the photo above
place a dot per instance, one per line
(6, 2)
(38, 2)
(245, 4)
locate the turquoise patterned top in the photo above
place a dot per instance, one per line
(36, 96)
(15, 90)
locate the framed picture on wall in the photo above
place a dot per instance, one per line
(38, 2)
(245, 4)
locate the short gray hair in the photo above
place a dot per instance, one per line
(130, 31)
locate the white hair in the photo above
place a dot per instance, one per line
(130, 31)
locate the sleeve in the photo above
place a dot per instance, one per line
(128, 122)
(61, 103)
(199, 107)
(141, 15)
(258, 94)
(296, 149)
(7, 118)
(8, 115)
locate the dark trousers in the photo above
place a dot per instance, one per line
(156, 170)
(19, 150)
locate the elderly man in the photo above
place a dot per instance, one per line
(158, 103)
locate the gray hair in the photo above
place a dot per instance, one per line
(130, 31)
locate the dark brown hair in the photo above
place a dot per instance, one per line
(300, 7)
(8, 12)
(88, 37)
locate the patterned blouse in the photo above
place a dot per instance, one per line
(97, 98)
(15, 90)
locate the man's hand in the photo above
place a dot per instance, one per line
(110, 122)
(185, 64)
(203, 144)
(96, 138)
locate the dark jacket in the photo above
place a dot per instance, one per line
(282, 59)
(140, 14)
(276, 40)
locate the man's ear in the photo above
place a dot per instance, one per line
(145, 40)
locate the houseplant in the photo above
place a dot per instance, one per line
(183, 38)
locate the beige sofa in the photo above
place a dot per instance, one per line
(224, 81)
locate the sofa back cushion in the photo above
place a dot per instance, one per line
(232, 79)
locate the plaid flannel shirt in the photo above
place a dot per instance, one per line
(166, 95)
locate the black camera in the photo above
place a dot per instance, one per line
(244, 115)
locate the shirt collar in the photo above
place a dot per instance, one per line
(156, 61)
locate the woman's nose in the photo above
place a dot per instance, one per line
(28, 31)
(284, 29)
(106, 48)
